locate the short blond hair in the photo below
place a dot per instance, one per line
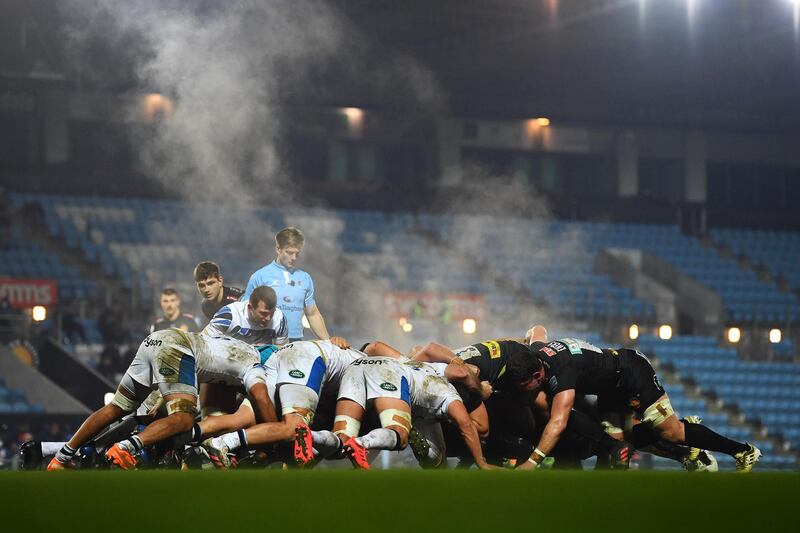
(290, 236)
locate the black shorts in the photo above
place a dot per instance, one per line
(638, 387)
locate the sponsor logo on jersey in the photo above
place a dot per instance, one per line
(287, 299)
(296, 374)
(557, 346)
(151, 342)
(388, 386)
(494, 349)
(166, 371)
(368, 362)
(549, 351)
(574, 347)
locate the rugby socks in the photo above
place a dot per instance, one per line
(132, 445)
(327, 443)
(65, 454)
(233, 440)
(699, 436)
(51, 448)
(381, 438)
(197, 433)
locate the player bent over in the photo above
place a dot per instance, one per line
(617, 377)
(299, 377)
(393, 389)
(172, 362)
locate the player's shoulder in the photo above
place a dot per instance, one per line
(233, 293)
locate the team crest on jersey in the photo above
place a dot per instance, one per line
(494, 349)
(388, 386)
(166, 371)
(296, 374)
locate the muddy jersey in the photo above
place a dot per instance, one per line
(232, 321)
(577, 364)
(491, 358)
(418, 384)
(317, 364)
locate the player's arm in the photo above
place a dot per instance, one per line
(460, 417)
(480, 419)
(559, 415)
(316, 321)
(381, 349)
(255, 383)
(458, 372)
(433, 352)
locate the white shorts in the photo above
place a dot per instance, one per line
(162, 363)
(371, 378)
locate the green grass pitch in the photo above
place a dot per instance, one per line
(402, 500)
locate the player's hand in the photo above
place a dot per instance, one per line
(341, 342)
(526, 465)
(486, 389)
(486, 466)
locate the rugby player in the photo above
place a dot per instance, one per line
(294, 286)
(393, 389)
(509, 409)
(172, 316)
(210, 285)
(172, 362)
(256, 321)
(623, 380)
(299, 376)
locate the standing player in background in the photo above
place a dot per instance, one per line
(172, 316)
(210, 285)
(294, 287)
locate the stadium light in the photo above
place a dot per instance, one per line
(665, 332)
(402, 321)
(39, 313)
(542, 122)
(469, 326)
(633, 332)
(107, 397)
(774, 335)
(305, 322)
(734, 335)
(355, 119)
(407, 327)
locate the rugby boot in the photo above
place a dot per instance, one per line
(217, 452)
(30, 453)
(421, 447)
(56, 465)
(356, 453)
(122, 458)
(746, 460)
(620, 455)
(704, 462)
(303, 447)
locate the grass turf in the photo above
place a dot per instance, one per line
(385, 501)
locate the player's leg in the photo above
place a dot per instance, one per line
(395, 417)
(662, 418)
(346, 425)
(124, 401)
(181, 412)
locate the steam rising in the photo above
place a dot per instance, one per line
(228, 67)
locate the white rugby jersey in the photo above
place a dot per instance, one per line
(218, 359)
(336, 359)
(232, 321)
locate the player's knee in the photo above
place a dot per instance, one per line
(183, 421)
